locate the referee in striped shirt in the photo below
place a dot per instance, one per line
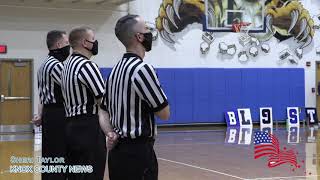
(50, 110)
(133, 96)
(82, 88)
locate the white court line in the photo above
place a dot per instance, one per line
(287, 177)
(197, 167)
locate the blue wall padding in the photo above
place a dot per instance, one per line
(105, 72)
(203, 95)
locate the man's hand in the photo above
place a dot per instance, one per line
(112, 139)
(37, 120)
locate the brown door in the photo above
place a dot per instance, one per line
(15, 95)
(19, 149)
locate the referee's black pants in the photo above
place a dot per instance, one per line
(133, 160)
(86, 146)
(53, 138)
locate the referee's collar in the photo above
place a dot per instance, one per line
(78, 54)
(130, 54)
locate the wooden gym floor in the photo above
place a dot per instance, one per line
(209, 153)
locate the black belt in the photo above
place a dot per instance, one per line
(138, 140)
(82, 117)
(53, 105)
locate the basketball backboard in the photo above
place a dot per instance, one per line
(221, 14)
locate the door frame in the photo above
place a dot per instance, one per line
(21, 128)
(317, 63)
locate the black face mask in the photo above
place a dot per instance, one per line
(94, 49)
(61, 54)
(147, 42)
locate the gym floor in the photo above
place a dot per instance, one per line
(199, 153)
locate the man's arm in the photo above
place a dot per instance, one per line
(111, 136)
(40, 109)
(164, 114)
(147, 86)
(105, 123)
(37, 119)
(90, 76)
(104, 120)
(56, 73)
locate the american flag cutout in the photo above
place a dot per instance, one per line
(266, 144)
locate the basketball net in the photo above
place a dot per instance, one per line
(236, 27)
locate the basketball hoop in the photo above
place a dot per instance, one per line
(237, 26)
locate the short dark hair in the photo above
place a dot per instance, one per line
(54, 36)
(77, 34)
(124, 28)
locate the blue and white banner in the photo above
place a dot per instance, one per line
(293, 117)
(245, 117)
(266, 118)
(311, 116)
(232, 119)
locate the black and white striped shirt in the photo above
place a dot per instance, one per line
(82, 84)
(133, 93)
(49, 81)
